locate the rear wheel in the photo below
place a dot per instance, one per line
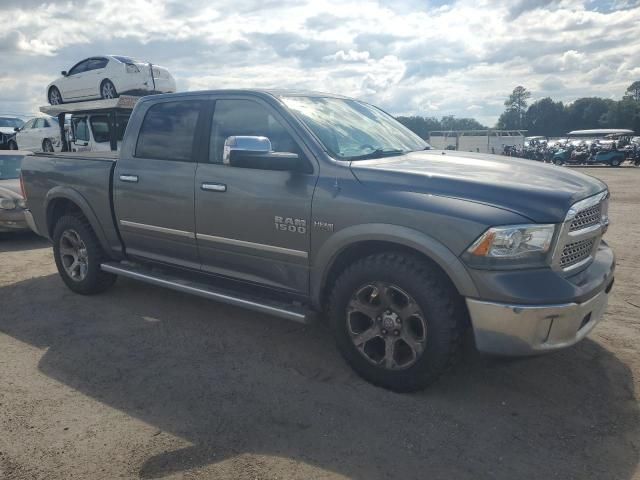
(47, 146)
(78, 256)
(55, 98)
(557, 161)
(108, 89)
(615, 162)
(396, 320)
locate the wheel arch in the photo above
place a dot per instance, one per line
(63, 200)
(354, 243)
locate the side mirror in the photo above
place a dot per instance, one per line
(257, 153)
(16, 129)
(64, 73)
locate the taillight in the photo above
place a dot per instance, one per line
(22, 189)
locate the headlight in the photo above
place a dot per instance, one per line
(7, 203)
(131, 68)
(512, 246)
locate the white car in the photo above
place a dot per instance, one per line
(108, 77)
(40, 134)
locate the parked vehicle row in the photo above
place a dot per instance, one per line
(294, 203)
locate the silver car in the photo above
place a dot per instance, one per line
(12, 204)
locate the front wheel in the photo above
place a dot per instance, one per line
(615, 162)
(13, 145)
(47, 146)
(108, 90)
(397, 320)
(78, 255)
(55, 98)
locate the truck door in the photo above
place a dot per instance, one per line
(153, 184)
(253, 224)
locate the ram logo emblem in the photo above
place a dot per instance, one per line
(288, 224)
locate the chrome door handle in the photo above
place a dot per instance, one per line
(129, 178)
(214, 187)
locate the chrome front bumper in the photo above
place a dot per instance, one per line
(531, 329)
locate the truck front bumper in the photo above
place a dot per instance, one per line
(505, 329)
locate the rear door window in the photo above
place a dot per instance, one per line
(168, 131)
(81, 129)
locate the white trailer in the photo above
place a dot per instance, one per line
(481, 141)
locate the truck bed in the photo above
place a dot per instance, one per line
(85, 177)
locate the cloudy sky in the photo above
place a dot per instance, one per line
(409, 56)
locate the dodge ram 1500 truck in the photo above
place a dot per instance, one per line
(293, 204)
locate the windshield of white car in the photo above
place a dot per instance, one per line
(353, 130)
(10, 166)
(11, 122)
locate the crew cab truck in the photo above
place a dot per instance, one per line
(294, 204)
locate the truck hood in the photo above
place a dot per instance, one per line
(540, 192)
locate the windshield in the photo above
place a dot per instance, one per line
(11, 122)
(352, 130)
(10, 166)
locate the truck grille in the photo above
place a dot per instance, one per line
(575, 252)
(587, 218)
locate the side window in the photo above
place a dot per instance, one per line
(79, 68)
(100, 128)
(246, 117)
(81, 129)
(122, 119)
(168, 131)
(29, 124)
(97, 63)
(39, 123)
(46, 124)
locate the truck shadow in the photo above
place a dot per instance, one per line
(17, 242)
(232, 382)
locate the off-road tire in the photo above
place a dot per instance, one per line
(441, 304)
(96, 280)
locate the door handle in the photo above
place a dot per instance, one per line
(129, 178)
(214, 187)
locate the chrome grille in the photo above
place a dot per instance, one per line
(587, 218)
(575, 252)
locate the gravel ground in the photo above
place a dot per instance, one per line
(142, 382)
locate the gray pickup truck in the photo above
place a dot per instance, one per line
(294, 204)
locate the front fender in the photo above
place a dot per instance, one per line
(407, 237)
(68, 193)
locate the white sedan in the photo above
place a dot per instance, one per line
(108, 77)
(40, 134)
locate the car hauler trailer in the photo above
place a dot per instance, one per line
(95, 125)
(480, 141)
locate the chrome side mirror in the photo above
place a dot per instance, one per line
(244, 144)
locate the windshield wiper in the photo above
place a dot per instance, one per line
(378, 153)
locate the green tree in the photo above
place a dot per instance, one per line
(588, 112)
(546, 117)
(509, 120)
(633, 91)
(517, 103)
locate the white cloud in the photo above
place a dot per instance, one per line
(460, 58)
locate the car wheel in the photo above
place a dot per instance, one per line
(47, 146)
(55, 98)
(558, 162)
(397, 320)
(78, 256)
(615, 162)
(108, 90)
(13, 145)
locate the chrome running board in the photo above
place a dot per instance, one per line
(282, 310)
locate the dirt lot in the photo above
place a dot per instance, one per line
(145, 382)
